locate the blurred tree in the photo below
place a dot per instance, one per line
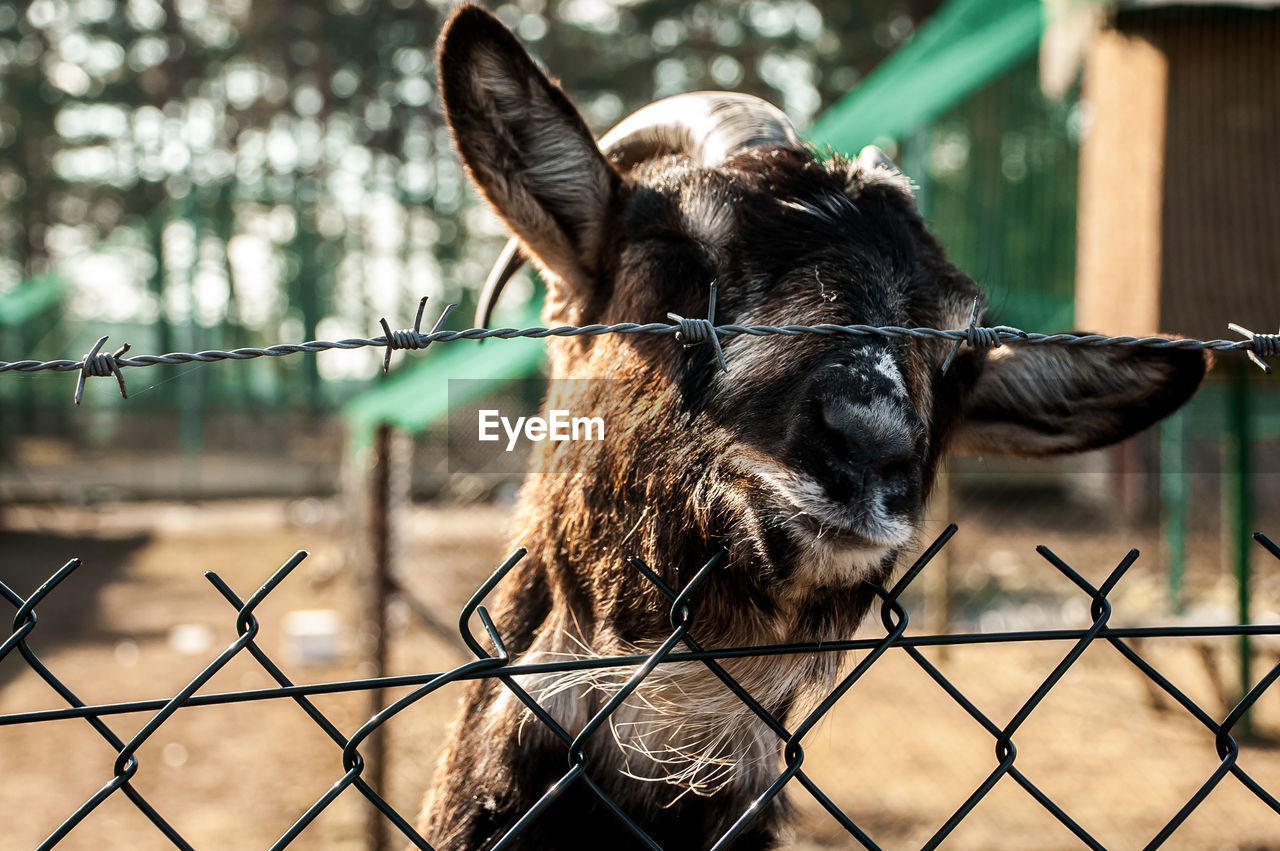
(259, 170)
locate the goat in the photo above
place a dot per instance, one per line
(809, 461)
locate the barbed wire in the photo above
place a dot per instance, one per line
(687, 331)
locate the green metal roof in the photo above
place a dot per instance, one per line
(964, 45)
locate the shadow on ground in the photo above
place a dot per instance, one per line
(71, 612)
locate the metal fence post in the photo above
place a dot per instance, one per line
(1239, 440)
(1176, 495)
(379, 593)
(938, 582)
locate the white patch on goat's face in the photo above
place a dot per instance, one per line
(880, 412)
(864, 364)
(888, 367)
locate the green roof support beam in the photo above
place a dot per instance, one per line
(964, 45)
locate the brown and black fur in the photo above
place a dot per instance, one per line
(790, 238)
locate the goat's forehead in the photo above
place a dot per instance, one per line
(786, 225)
(707, 204)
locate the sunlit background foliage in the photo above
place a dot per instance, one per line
(220, 173)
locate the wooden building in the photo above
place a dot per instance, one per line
(1179, 220)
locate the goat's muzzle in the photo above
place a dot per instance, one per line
(855, 444)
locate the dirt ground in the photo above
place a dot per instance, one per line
(897, 754)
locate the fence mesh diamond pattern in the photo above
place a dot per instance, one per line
(679, 647)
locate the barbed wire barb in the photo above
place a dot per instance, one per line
(695, 331)
(1264, 345)
(976, 336)
(412, 339)
(97, 364)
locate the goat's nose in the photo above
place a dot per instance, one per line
(873, 436)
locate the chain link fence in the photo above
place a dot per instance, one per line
(679, 647)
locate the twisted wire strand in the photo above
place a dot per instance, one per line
(1002, 334)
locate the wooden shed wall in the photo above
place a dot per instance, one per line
(1180, 175)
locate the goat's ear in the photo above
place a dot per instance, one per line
(1048, 400)
(526, 146)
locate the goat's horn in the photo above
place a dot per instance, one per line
(708, 127)
(872, 157)
(507, 264)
